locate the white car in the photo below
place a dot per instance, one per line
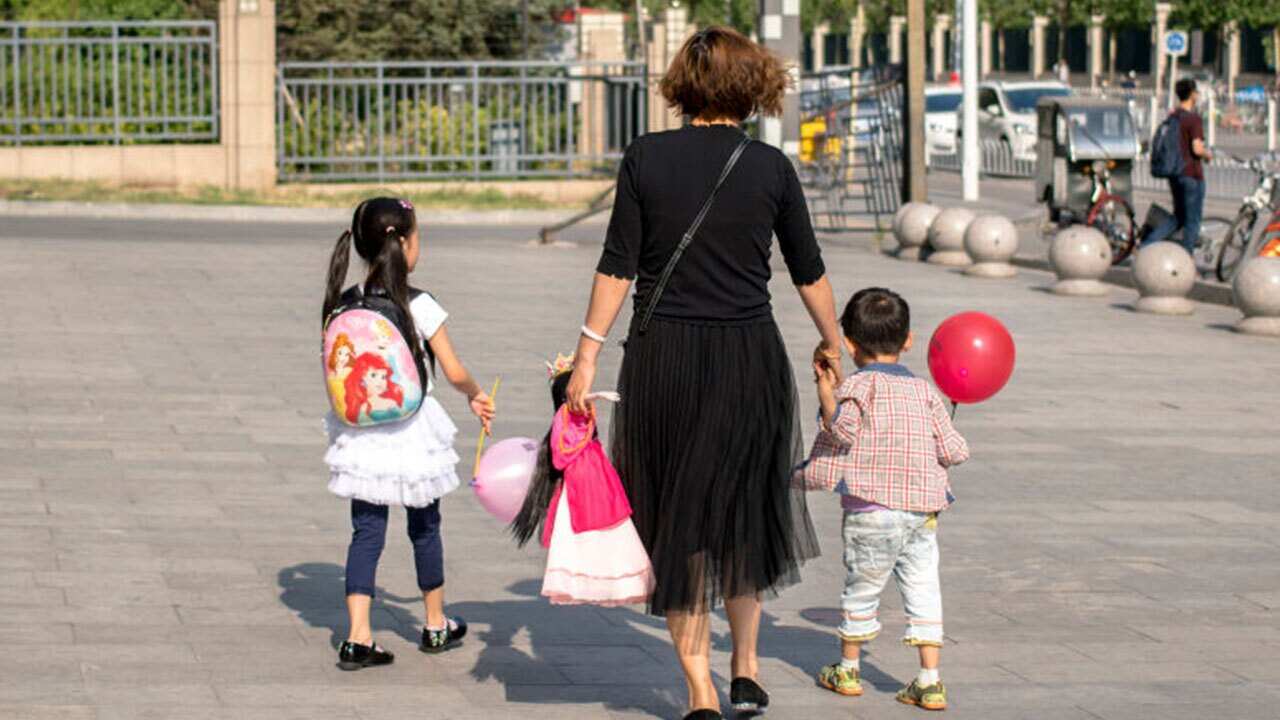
(941, 108)
(1007, 113)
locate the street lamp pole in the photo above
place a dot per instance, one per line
(971, 160)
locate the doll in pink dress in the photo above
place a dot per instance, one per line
(594, 555)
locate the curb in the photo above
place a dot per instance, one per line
(267, 214)
(1202, 291)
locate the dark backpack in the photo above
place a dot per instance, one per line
(1166, 149)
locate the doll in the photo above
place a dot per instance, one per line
(594, 555)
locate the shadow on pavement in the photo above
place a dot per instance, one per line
(558, 667)
(315, 591)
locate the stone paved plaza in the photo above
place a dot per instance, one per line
(170, 549)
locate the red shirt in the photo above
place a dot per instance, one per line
(1190, 129)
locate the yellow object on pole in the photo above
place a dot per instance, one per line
(493, 396)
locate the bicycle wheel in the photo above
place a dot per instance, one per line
(1113, 217)
(1232, 249)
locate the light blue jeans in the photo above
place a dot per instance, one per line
(882, 543)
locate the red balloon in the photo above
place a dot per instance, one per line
(971, 357)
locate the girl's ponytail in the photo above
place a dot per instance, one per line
(390, 271)
(337, 274)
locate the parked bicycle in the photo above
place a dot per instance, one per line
(1243, 239)
(1110, 213)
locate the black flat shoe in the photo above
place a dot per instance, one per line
(437, 641)
(704, 714)
(353, 656)
(748, 697)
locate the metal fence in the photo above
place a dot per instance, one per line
(410, 120)
(998, 160)
(108, 82)
(1225, 178)
(851, 143)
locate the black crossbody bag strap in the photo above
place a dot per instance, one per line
(656, 294)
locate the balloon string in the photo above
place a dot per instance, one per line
(493, 397)
(954, 405)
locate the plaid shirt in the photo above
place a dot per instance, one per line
(890, 442)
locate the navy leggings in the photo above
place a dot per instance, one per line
(369, 524)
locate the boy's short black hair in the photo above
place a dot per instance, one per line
(878, 320)
(1184, 88)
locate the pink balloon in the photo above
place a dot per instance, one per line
(502, 478)
(971, 357)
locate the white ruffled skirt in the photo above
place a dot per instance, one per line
(599, 567)
(411, 464)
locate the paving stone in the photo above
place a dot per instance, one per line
(169, 537)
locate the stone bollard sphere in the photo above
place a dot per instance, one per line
(1257, 293)
(911, 227)
(992, 241)
(1080, 256)
(1164, 273)
(946, 237)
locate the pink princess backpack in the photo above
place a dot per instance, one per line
(372, 375)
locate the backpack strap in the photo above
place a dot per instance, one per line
(651, 303)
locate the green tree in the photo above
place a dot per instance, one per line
(343, 30)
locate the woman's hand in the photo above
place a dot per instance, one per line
(482, 407)
(829, 358)
(584, 374)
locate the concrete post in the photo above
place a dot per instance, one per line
(1231, 31)
(1157, 44)
(941, 26)
(780, 31)
(985, 61)
(668, 36)
(1038, 25)
(600, 36)
(896, 23)
(857, 36)
(818, 43)
(1095, 49)
(247, 71)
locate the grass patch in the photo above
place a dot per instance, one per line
(442, 198)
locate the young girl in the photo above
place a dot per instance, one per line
(410, 463)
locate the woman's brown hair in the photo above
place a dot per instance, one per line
(720, 73)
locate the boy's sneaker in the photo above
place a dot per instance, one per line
(437, 641)
(933, 697)
(836, 679)
(353, 656)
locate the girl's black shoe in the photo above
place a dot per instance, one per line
(704, 714)
(748, 697)
(437, 641)
(353, 656)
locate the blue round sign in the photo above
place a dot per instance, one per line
(1175, 42)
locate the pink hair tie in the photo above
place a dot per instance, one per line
(391, 228)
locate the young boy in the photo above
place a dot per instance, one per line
(885, 443)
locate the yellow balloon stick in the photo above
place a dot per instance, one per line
(493, 397)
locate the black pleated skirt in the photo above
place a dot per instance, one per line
(705, 440)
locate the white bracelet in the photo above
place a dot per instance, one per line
(594, 335)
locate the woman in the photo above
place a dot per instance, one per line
(707, 432)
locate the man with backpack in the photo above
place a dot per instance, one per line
(1177, 152)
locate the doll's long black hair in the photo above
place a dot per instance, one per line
(545, 476)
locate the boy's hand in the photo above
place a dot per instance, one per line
(483, 408)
